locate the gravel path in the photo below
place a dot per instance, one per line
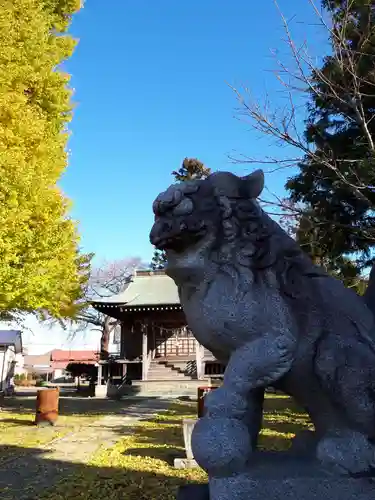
(23, 477)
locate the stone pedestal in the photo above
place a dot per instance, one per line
(185, 463)
(188, 427)
(188, 462)
(279, 476)
(101, 391)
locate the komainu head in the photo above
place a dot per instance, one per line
(217, 218)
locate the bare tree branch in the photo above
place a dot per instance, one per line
(110, 278)
(300, 78)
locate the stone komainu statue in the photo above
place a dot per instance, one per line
(254, 299)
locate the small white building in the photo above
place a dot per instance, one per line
(10, 355)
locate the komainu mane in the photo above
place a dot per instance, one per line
(258, 303)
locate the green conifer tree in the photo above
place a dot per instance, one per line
(336, 182)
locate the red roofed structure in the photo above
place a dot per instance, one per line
(56, 361)
(61, 359)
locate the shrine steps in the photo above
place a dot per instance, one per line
(164, 370)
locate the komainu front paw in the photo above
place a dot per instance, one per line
(221, 446)
(225, 402)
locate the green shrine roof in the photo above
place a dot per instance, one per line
(147, 288)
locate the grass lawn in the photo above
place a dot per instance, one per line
(140, 465)
(18, 429)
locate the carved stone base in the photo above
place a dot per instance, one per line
(280, 476)
(249, 488)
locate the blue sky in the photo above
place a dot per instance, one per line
(150, 82)
(150, 89)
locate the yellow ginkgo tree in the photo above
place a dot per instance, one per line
(41, 266)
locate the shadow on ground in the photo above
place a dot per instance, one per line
(34, 476)
(40, 479)
(71, 404)
(17, 421)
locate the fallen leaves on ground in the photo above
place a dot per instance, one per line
(281, 421)
(140, 465)
(18, 429)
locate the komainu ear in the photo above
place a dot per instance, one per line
(254, 183)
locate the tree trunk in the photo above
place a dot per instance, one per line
(104, 341)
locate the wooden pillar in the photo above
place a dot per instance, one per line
(166, 338)
(122, 341)
(2, 380)
(199, 353)
(153, 345)
(100, 374)
(144, 353)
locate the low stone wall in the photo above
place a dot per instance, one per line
(155, 388)
(111, 391)
(165, 388)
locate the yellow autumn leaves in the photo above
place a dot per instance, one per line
(40, 264)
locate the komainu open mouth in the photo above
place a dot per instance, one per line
(175, 244)
(178, 243)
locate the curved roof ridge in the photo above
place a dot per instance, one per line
(146, 287)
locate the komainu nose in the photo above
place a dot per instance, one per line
(155, 233)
